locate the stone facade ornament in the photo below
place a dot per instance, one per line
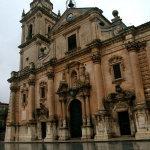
(135, 46)
(50, 75)
(96, 58)
(120, 95)
(42, 111)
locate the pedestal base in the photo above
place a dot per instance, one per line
(87, 132)
(142, 135)
(10, 134)
(63, 133)
(102, 137)
(51, 132)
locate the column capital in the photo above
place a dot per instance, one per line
(14, 88)
(50, 75)
(135, 46)
(96, 58)
(31, 81)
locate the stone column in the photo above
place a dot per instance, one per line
(13, 89)
(31, 97)
(83, 118)
(10, 127)
(87, 103)
(50, 95)
(63, 130)
(133, 47)
(98, 80)
(141, 114)
(83, 112)
(51, 123)
(89, 130)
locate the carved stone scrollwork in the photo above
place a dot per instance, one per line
(96, 58)
(14, 88)
(120, 95)
(135, 46)
(50, 75)
(42, 111)
(31, 81)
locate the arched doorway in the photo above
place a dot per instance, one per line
(76, 118)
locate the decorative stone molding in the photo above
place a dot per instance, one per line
(24, 95)
(50, 75)
(14, 88)
(135, 46)
(96, 58)
(41, 112)
(114, 60)
(31, 81)
(120, 95)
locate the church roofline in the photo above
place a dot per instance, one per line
(33, 39)
(46, 1)
(91, 9)
(143, 26)
(30, 14)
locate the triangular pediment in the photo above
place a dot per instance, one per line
(74, 14)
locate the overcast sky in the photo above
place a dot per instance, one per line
(133, 12)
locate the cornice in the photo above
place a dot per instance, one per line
(41, 37)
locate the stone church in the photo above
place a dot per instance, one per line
(81, 76)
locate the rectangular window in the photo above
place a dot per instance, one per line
(72, 43)
(117, 71)
(43, 92)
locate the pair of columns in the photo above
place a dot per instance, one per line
(87, 131)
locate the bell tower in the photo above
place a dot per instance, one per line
(36, 25)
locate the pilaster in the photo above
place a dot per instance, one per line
(133, 47)
(96, 58)
(103, 126)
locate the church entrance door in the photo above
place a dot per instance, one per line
(43, 129)
(76, 118)
(124, 123)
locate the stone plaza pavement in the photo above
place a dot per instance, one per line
(122, 144)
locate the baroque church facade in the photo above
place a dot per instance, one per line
(81, 76)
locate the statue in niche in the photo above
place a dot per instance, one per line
(75, 80)
(87, 79)
(63, 75)
(82, 73)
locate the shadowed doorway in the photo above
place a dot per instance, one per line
(43, 128)
(124, 123)
(76, 118)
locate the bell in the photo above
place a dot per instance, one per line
(71, 4)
